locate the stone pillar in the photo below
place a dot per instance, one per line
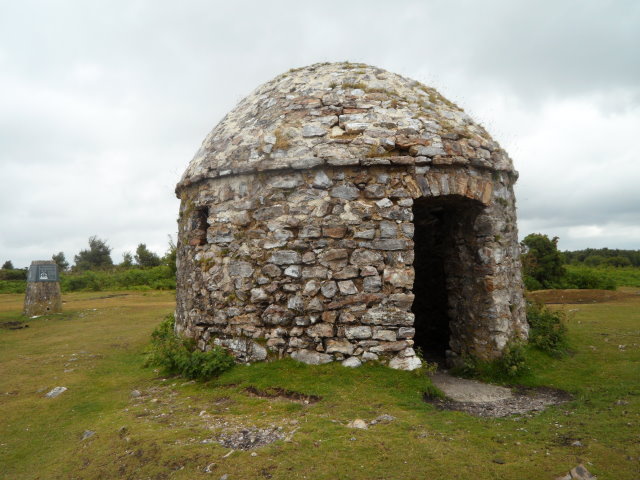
(43, 289)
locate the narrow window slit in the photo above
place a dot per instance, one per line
(199, 226)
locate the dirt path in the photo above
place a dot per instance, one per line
(486, 400)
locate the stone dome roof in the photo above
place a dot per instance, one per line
(341, 114)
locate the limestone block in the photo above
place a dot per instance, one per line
(358, 332)
(244, 349)
(314, 272)
(369, 357)
(362, 257)
(346, 273)
(310, 357)
(321, 180)
(293, 271)
(402, 300)
(320, 330)
(384, 335)
(329, 289)
(258, 295)
(347, 287)
(351, 362)
(314, 305)
(311, 288)
(387, 316)
(372, 283)
(399, 277)
(345, 192)
(390, 347)
(406, 332)
(314, 130)
(285, 257)
(277, 315)
(296, 303)
(405, 363)
(339, 346)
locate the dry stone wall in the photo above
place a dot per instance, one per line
(319, 264)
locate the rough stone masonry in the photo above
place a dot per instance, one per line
(343, 212)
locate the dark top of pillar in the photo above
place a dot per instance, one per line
(43, 271)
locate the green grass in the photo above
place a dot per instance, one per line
(160, 434)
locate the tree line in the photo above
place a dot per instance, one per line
(596, 257)
(544, 266)
(98, 257)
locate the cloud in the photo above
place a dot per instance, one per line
(103, 104)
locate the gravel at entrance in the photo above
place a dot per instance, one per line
(486, 400)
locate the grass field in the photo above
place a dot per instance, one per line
(169, 428)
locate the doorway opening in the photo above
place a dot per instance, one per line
(444, 264)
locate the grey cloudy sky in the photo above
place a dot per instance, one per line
(102, 104)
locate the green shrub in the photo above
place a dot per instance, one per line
(624, 276)
(513, 362)
(531, 283)
(584, 277)
(513, 365)
(547, 330)
(13, 274)
(13, 286)
(160, 278)
(175, 355)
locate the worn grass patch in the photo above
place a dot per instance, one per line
(254, 422)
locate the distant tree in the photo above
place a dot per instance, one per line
(603, 256)
(146, 258)
(594, 260)
(171, 255)
(541, 260)
(97, 256)
(7, 265)
(127, 260)
(60, 261)
(618, 261)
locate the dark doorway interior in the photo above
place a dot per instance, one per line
(443, 238)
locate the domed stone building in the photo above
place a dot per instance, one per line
(343, 212)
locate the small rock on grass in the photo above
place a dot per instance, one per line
(87, 434)
(578, 473)
(55, 392)
(384, 418)
(358, 423)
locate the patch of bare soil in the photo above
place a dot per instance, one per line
(523, 401)
(283, 394)
(579, 296)
(213, 424)
(114, 295)
(13, 325)
(248, 438)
